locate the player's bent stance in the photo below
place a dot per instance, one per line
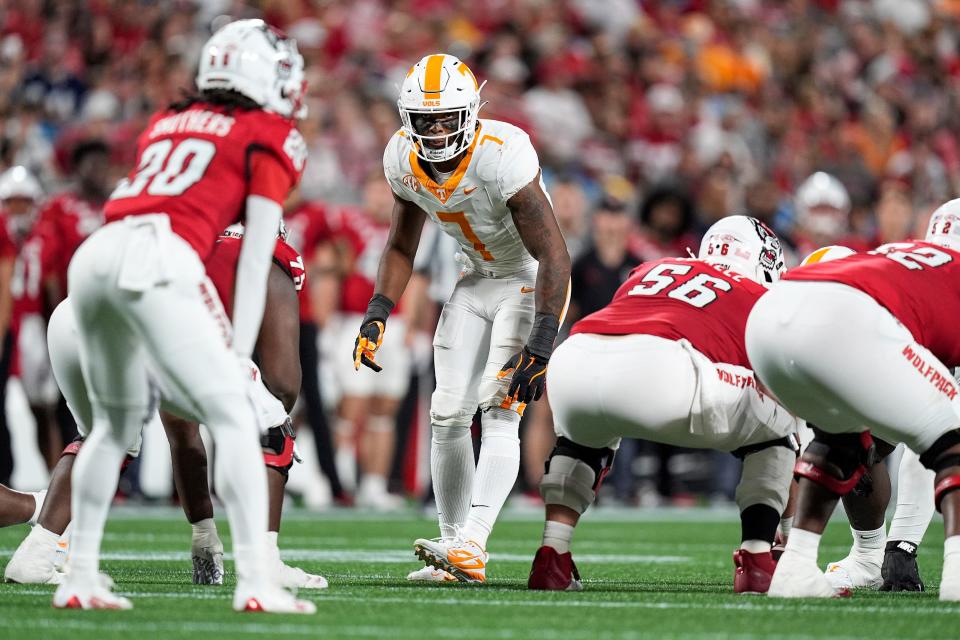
(143, 303)
(479, 180)
(665, 361)
(276, 381)
(862, 346)
(878, 559)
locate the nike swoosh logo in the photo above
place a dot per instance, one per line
(480, 505)
(467, 192)
(527, 289)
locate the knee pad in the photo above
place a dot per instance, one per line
(938, 458)
(766, 478)
(448, 410)
(73, 449)
(850, 453)
(446, 434)
(278, 449)
(573, 474)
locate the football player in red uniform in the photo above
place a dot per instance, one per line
(665, 361)
(278, 371)
(19, 195)
(858, 346)
(142, 300)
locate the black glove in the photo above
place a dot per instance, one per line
(371, 332)
(529, 376)
(900, 571)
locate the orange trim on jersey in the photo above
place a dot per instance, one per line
(432, 76)
(566, 303)
(442, 192)
(459, 218)
(816, 256)
(410, 72)
(492, 138)
(464, 70)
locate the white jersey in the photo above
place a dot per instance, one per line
(472, 205)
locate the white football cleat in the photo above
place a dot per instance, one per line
(856, 571)
(34, 561)
(206, 550)
(296, 578)
(78, 594)
(950, 580)
(465, 560)
(797, 576)
(378, 500)
(269, 599)
(429, 574)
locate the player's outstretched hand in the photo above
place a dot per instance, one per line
(365, 347)
(529, 376)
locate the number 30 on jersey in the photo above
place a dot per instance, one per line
(168, 170)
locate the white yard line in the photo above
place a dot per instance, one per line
(748, 605)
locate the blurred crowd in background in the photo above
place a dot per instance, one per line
(834, 121)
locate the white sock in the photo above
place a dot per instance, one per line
(94, 483)
(497, 471)
(452, 468)
(345, 456)
(241, 481)
(38, 497)
(869, 543)
(914, 500)
(557, 535)
(756, 546)
(951, 546)
(786, 524)
(204, 527)
(806, 543)
(373, 483)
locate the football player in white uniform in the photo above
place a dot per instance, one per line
(479, 181)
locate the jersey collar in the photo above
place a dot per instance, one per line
(442, 192)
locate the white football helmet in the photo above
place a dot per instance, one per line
(18, 182)
(944, 227)
(439, 84)
(823, 204)
(827, 254)
(257, 61)
(746, 246)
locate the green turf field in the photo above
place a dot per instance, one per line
(662, 574)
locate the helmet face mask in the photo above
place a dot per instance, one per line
(256, 61)
(439, 91)
(746, 246)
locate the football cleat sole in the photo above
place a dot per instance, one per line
(435, 561)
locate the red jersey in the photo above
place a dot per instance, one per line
(677, 298)
(64, 223)
(918, 282)
(367, 238)
(222, 267)
(306, 228)
(199, 165)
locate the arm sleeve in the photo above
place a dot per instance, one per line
(256, 253)
(518, 166)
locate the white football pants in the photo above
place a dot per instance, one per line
(604, 388)
(836, 357)
(141, 298)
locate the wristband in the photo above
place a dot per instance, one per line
(378, 308)
(543, 335)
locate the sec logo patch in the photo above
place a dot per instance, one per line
(411, 182)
